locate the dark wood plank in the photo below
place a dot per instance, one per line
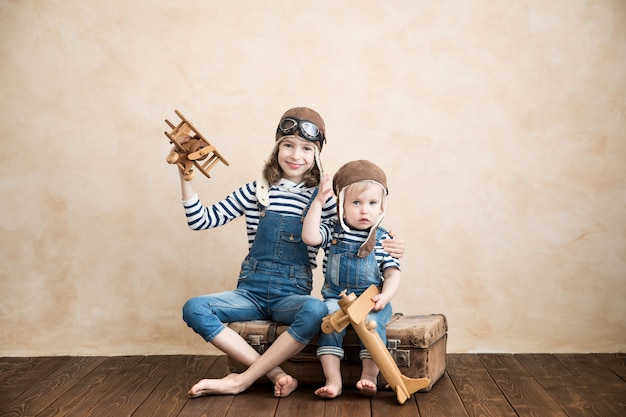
(210, 406)
(27, 375)
(171, 394)
(476, 388)
(128, 394)
(523, 392)
(351, 403)
(442, 400)
(301, 403)
(87, 393)
(9, 365)
(601, 380)
(49, 388)
(385, 404)
(12, 370)
(570, 392)
(616, 362)
(257, 401)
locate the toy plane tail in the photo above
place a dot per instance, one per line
(401, 395)
(415, 384)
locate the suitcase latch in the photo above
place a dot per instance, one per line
(255, 341)
(402, 357)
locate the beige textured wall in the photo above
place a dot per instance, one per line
(501, 125)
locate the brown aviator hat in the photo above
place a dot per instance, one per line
(350, 173)
(304, 123)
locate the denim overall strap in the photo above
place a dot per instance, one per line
(279, 238)
(346, 271)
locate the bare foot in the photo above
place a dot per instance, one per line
(330, 390)
(285, 385)
(367, 387)
(228, 385)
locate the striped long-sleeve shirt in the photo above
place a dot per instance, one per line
(328, 232)
(286, 197)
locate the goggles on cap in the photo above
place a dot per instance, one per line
(308, 130)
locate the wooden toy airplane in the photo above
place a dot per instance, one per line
(354, 311)
(190, 153)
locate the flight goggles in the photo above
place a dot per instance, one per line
(306, 129)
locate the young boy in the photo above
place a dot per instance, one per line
(354, 260)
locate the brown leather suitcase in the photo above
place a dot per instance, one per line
(416, 342)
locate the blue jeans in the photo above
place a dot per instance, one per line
(274, 284)
(264, 292)
(331, 344)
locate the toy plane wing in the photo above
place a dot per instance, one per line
(361, 307)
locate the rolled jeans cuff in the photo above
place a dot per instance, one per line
(330, 350)
(364, 354)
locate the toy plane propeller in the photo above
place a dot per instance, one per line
(354, 311)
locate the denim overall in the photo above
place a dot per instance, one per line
(346, 271)
(274, 284)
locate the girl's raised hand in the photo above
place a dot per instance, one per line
(325, 189)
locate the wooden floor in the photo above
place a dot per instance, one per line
(155, 386)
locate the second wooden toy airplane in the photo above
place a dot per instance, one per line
(354, 311)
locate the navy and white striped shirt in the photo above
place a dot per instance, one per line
(286, 198)
(327, 230)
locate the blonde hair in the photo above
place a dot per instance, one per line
(360, 186)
